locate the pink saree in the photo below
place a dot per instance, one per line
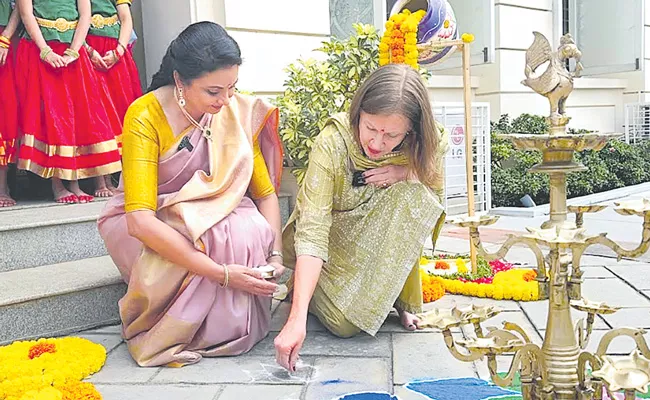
(169, 315)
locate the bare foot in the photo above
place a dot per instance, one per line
(109, 183)
(409, 321)
(65, 197)
(83, 196)
(61, 194)
(102, 187)
(6, 200)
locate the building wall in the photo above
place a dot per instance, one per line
(272, 34)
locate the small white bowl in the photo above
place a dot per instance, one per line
(267, 271)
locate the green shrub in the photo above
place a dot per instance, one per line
(617, 165)
(316, 89)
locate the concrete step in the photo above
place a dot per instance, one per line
(58, 299)
(44, 233)
(48, 233)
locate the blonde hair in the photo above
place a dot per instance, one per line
(399, 89)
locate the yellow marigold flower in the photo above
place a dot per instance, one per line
(383, 61)
(467, 37)
(383, 46)
(409, 26)
(411, 40)
(390, 24)
(498, 293)
(461, 266)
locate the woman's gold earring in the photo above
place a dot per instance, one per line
(181, 99)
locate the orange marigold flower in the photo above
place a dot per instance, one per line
(530, 275)
(80, 391)
(41, 348)
(432, 291)
(397, 34)
(441, 264)
(398, 53)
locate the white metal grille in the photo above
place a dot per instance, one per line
(637, 122)
(452, 116)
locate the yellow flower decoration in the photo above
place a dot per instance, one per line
(399, 43)
(514, 284)
(467, 37)
(461, 266)
(46, 374)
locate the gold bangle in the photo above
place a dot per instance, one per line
(45, 51)
(71, 52)
(226, 276)
(4, 39)
(4, 45)
(122, 46)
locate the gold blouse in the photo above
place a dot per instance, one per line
(146, 137)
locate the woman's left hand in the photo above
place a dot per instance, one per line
(384, 177)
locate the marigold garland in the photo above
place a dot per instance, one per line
(432, 287)
(399, 43)
(502, 282)
(50, 369)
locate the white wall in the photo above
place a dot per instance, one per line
(163, 21)
(596, 103)
(273, 34)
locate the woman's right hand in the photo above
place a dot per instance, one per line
(55, 60)
(289, 342)
(249, 280)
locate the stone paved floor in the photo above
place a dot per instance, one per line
(331, 366)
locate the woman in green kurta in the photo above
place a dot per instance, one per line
(355, 249)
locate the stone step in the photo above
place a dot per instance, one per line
(38, 233)
(58, 299)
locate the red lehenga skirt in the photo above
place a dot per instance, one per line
(8, 110)
(68, 122)
(122, 80)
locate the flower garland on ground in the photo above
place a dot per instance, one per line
(497, 280)
(399, 43)
(50, 369)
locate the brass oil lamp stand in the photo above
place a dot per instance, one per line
(559, 368)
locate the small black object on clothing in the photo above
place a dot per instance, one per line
(185, 144)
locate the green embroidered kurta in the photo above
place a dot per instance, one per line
(105, 8)
(5, 12)
(370, 238)
(52, 10)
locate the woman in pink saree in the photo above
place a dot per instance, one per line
(196, 210)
